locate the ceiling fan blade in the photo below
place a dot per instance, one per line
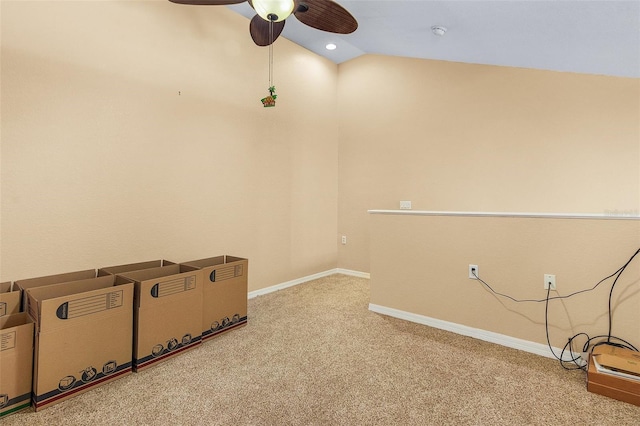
(259, 29)
(325, 15)
(207, 2)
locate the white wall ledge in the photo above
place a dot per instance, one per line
(614, 215)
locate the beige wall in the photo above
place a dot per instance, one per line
(463, 137)
(133, 131)
(419, 264)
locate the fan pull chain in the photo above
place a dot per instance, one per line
(270, 101)
(270, 53)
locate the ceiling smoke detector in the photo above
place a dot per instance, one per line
(439, 30)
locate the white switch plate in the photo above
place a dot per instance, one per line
(405, 205)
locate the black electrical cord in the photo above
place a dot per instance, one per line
(573, 357)
(618, 272)
(614, 284)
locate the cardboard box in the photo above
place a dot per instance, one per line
(120, 269)
(621, 382)
(84, 331)
(224, 293)
(618, 359)
(16, 362)
(167, 313)
(23, 285)
(9, 300)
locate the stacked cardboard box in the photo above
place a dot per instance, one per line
(23, 285)
(83, 332)
(9, 300)
(167, 313)
(91, 327)
(131, 267)
(615, 372)
(16, 361)
(224, 300)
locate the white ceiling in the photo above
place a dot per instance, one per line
(583, 36)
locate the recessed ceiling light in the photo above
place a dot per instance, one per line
(331, 46)
(439, 30)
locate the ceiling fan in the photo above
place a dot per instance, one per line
(268, 23)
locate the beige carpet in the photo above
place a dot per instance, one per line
(314, 355)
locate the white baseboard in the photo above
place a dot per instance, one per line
(303, 280)
(291, 283)
(487, 336)
(353, 273)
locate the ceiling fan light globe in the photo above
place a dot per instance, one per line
(273, 10)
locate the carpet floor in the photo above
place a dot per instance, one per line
(315, 355)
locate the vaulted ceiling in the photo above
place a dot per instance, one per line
(583, 36)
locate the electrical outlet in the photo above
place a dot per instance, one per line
(405, 205)
(473, 269)
(344, 239)
(549, 281)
